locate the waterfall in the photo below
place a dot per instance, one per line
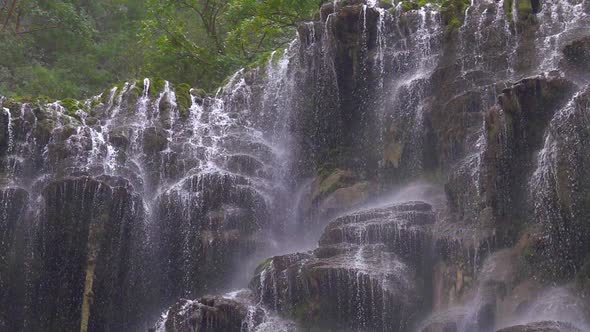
(394, 167)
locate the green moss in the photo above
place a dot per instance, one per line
(94, 102)
(140, 85)
(407, 6)
(385, 4)
(453, 12)
(71, 105)
(45, 127)
(525, 9)
(133, 95)
(326, 184)
(183, 98)
(67, 132)
(265, 263)
(8, 103)
(311, 315)
(199, 93)
(508, 8)
(156, 86)
(41, 100)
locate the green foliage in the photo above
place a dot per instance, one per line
(202, 42)
(67, 48)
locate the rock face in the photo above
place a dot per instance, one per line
(232, 312)
(13, 206)
(207, 314)
(362, 276)
(117, 207)
(560, 183)
(88, 244)
(542, 327)
(514, 132)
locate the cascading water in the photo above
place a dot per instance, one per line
(363, 179)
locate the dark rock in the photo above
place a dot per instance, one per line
(244, 164)
(548, 326)
(13, 205)
(232, 312)
(358, 277)
(577, 54)
(403, 228)
(560, 185)
(120, 139)
(208, 314)
(88, 230)
(204, 226)
(154, 140)
(488, 187)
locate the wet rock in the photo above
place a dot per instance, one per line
(345, 198)
(334, 192)
(203, 227)
(235, 311)
(87, 261)
(577, 54)
(154, 140)
(208, 314)
(404, 228)
(362, 276)
(488, 186)
(514, 132)
(244, 164)
(559, 184)
(13, 205)
(324, 185)
(548, 326)
(119, 139)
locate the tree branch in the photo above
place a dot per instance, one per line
(8, 15)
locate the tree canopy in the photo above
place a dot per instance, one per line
(75, 48)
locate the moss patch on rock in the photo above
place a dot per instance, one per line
(453, 12)
(183, 98)
(329, 182)
(156, 86)
(71, 107)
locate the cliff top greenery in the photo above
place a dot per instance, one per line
(76, 48)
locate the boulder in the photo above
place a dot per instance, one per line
(232, 312)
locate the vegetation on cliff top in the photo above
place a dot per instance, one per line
(68, 48)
